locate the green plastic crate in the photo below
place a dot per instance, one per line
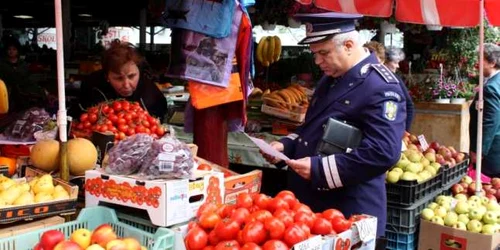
(91, 218)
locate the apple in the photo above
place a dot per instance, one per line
(412, 147)
(393, 176)
(430, 151)
(51, 238)
(461, 197)
(490, 217)
(116, 244)
(475, 213)
(464, 218)
(102, 235)
(460, 226)
(490, 191)
(452, 149)
(433, 205)
(488, 229)
(81, 237)
(427, 214)
(457, 189)
(452, 162)
(437, 220)
(460, 157)
(474, 226)
(38, 247)
(491, 197)
(450, 219)
(472, 204)
(471, 190)
(497, 195)
(445, 152)
(476, 199)
(493, 206)
(414, 139)
(484, 200)
(462, 207)
(440, 212)
(495, 182)
(95, 247)
(67, 245)
(132, 243)
(465, 185)
(434, 145)
(440, 159)
(467, 179)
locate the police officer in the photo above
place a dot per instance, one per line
(357, 89)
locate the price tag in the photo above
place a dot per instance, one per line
(423, 142)
(367, 229)
(314, 243)
(403, 146)
(166, 162)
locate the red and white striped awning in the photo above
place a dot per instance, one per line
(454, 13)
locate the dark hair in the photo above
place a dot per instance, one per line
(119, 54)
(12, 42)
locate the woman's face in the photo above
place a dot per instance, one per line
(392, 65)
(12, 52)
(125, 82)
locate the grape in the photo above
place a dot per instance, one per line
(126, 157)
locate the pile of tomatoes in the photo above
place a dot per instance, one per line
(258, 221)
(120, 117)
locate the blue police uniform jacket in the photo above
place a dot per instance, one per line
(369, 97)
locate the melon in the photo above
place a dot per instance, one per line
(82, 156)
(45, 155)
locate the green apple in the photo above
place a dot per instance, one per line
(431, 170)
(440, 211)
(462, 207)
(425, 162)
(488, 229)
(427, 214)
(420, 179)
(441, 198)
(413, 167)
(450, 219)
(485, 200)
(433, 205)
(493, 206)
(431, 157)
(490, 217)
(474, 226)
(476, 199)
(408, 176)
(398, 170)
(437, 220)
(467, 179)
(414, 156)
(472, 204)
(393, 177)
(475, 214)
(464, 218)
(436, 165)
(460, 226)
(402, 163)
(425, 174)
(461, 197)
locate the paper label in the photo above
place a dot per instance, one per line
(314, 243)
(166, 162)
(367, 230)
(423, 142)
(403, 147)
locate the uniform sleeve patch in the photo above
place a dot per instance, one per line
(390, 110)
(392, 94)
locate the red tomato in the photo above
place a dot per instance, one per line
(125, 105)
(340, 225)
(123, 128)
(329, 214)
(321, 226)
(240, 214)
(228, 245)
(239, 238)
(275, 245)
(275, 227)
(299, 207)
(213, 239)
(251, 246)
(227, 229)
(209, 220)
(286, 218)
(254, 232)
(244, 200)
(276, 203)
(209, 248)
(261, 200)
(105, 109)
(305, 228)
(288, 196)
(84, 117)
(117, 106)
(356, 217)
(191, 225)
(121, 121)
(93, 118)
(205, 167)
(305, 217)
(206, 208)
(196, 239)
(146, 124)
(128, 117)
(259, 215)
(294, 235)
(140, 129)
(93, 110)
(160, 131)
(79, 126)
(130, 131)
(121, 136)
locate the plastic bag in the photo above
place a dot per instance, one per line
(168, 158)
(127, 156)
(23, 129)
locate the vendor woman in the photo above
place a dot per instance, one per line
(122, 78)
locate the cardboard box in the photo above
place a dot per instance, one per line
(168, 202)
(284, 114)
(235, 183)
(21, 228)
(436, 237)
(42, 209)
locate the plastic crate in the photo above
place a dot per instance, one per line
(91, 218)
(407, 193)
(137, 222)
(454, 174)
(406, 219)
(401, 241)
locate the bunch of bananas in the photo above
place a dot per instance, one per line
(288, 98)
(268, 50)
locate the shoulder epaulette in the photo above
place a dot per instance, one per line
(383, 71)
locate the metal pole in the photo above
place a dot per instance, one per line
(479, 105)
(142, 29)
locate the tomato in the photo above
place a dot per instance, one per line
(209, 220)
(140, 129)
(152, 120)
(105, 109)
(128, 117)
(289, 197)
(356, 217)
(213, 239)
(145, 123)
(286, 218)
(79, 126)
(250, 246)
(329, 214)
(121, 135)
(244, 200)
(117, 106)
(340, 225)
(130, 131)
(125, 105)
(93, 118)
(191, 225)
(275, 227)
(160, 131)
(93, 110)
(254, 232)
(209, 248)
(87, 124)
(227, 229)
(84, 117)
(196, 239)
(205, 167)
(103, 128)
(276, 203)
(228, 245)
(275, 245)
(305, 217)
(305, 228)
(261, 200)
(260, 215)
(240, 214)
(321, 226)
(239, 238)
(299, 207)
(294, 235)
(206, 208)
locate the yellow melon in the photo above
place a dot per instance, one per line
(45, 155)
(82, 156)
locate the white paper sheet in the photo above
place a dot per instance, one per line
(268, 149)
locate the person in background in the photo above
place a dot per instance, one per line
(13, 57)
(122, 77)
(491, 114)
(358, 90)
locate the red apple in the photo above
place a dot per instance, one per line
(465, 185)
(50, 239)
(67, 245)
(460, 157)
(497, 195)
(491, 191)
(440, 159)
(487, 186)
(471, 190)
(491, 197)
(102, 235)
(414, 139)
(456, 189)
(435, 145)
(445, 152)
(430, 150)
(495, 182)
(452, 149)
(452, 162)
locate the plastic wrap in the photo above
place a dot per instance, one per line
(168, 158)
(127, 156)
(23, 129)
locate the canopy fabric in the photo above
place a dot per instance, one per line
(376, 8)
(492, 8)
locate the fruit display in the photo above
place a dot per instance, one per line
(268, 50)
(290, 98)
(37, 190)
(413, 165)
(4, 98)
(82, 155)
(126, 156)
(467, 187)
(23, 129)
(474, 214)
(120, 117)
(257, 221)
(101, 238)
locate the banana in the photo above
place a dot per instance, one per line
(301, 90)
(294, 99)
(270, 50)
(275, 103)
(259, 51)
(300, 95)
(277, 48)
(265, 52)
(287, 98)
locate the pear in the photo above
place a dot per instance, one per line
(43, 197)
(25, 198)
(44, 184)
(25, 187)
(402, 163)
(33, 181)
(11, 194)
(6, 184)
(430, 170)
(2, 203)
(59, 188)
(409, 176)
(61, 195)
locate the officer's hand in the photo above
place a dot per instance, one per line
(301, 166)
(276, 145)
